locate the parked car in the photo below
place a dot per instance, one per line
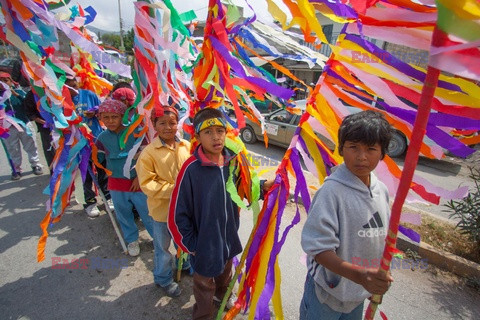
(398, 144)
(281, 124)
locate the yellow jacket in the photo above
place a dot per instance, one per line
(157, 169)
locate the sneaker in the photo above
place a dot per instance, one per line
(92, 210)
(16, 176)
(172, 290)
(37, 170)
(230, 302)
(133, 248)
(110, 205)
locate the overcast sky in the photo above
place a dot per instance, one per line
(107, 11)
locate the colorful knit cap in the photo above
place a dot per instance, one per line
(113, 106)
(210, 123)
(126, 95)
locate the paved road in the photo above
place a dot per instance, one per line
(31, 290)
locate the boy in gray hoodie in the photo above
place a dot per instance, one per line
(345, 231)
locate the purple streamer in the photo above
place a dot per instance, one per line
(439, 136)
(338, 8)
(262, 307)
(412, 235)
(436, 119)
(261, 230)
(301, 186)
(57, 171)
(399, 64)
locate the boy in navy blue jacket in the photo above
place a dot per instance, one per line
(203, 219)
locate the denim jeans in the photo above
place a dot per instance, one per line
(312, 309)
(162, 260)
(123, 203)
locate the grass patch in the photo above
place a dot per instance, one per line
(445, 236)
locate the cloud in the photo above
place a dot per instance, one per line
(107, 11)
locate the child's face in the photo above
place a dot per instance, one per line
(166, 127)
(212, 139)
(113, 121)
(7, 81)
(361, 159)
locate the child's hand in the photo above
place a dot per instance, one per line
(89, 114)
(135, 185)
(376, 281)
(267, 185)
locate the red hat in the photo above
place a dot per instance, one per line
(125, 95)
(156, 112)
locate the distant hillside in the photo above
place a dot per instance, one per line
(101, 31)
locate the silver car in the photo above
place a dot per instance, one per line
(280, 127)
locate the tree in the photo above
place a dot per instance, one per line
(128, 41)
(113, 40)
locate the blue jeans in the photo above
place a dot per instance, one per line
(312, 309)
(123, 203)
(162, 260)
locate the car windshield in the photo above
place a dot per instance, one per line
(282, 116)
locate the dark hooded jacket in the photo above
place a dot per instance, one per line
(203, 219)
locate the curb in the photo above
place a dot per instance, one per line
(442, 259)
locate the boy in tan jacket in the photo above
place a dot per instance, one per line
(157, 169)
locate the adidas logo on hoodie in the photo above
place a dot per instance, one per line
(374, 228)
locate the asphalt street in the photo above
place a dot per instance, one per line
(98, 287)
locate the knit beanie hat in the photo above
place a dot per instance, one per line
(113, 106)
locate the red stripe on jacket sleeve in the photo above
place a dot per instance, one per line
(171, 223)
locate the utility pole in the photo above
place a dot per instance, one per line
(122, 47)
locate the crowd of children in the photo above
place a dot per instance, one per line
(183, 196)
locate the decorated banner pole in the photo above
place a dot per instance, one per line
(411, 160)
(107, 208)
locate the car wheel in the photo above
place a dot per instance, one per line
(248, 135)
(397, 145)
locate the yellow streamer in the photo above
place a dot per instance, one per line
(264, 256)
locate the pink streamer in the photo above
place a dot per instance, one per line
(412, 218)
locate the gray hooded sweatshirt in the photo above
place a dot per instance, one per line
(351, 219)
